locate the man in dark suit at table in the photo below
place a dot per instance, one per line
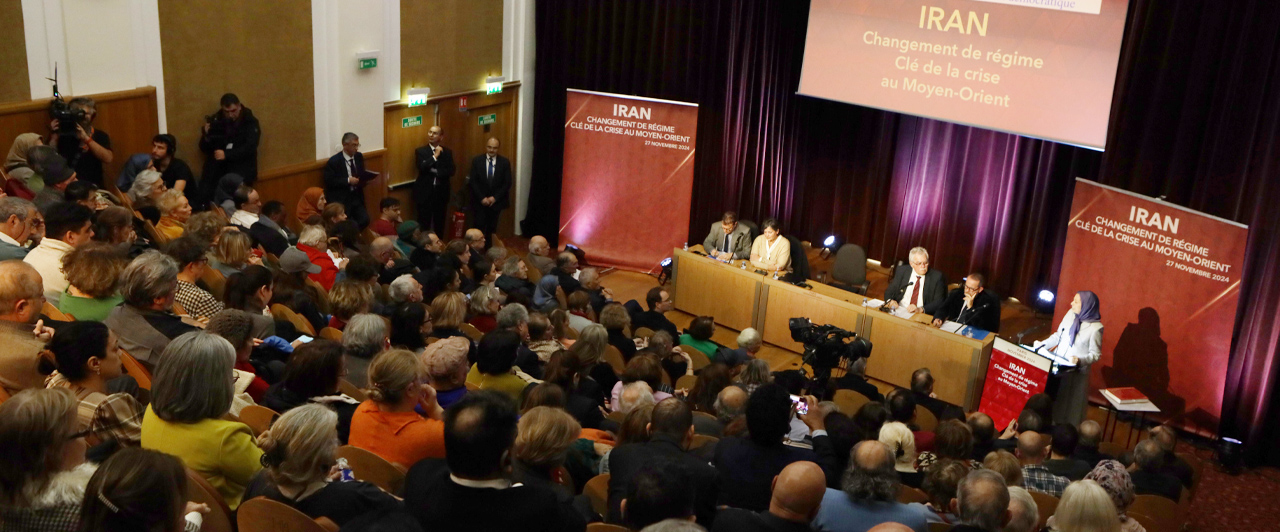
(918, 288)
(728, 239)
(431, 190)
(490, 183)
(971, 304)
(345, 178)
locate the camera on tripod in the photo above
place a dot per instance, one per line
(826, 347)
(68, 117)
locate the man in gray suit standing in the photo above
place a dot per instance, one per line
(728, 239)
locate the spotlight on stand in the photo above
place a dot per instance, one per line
(1046, 296)
(829, 244)
(666, 271)
(1043, 303)
(577, 252)
(1230, 455)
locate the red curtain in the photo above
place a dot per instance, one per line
(1196, 118)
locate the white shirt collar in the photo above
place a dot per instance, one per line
(9, 240)
(497, 483)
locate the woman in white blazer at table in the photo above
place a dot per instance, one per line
(1078, 339)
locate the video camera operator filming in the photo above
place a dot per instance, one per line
(826, 347)
(86, 148)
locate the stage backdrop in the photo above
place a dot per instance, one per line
(628, 177)
(1168, 280)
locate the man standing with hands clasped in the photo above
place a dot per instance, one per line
(345, 177)
(490, 184)
(431, 190)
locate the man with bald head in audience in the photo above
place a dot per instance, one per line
(566, 267)
(797, 495)
(1024, 515)
(869, 496)
(383, 251)
(21, 298)
(540, 254)
(1033, 449)
(982, 502)
(1173, 464)
(476, 244)
(1087, 447)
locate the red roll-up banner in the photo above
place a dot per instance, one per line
(1168, 281)
(628, 177)
(1014, 375)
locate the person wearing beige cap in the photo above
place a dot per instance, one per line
(447, 367)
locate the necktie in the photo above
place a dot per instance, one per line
(491, 169)
(351, 165)
(725, 245)
(915, 292)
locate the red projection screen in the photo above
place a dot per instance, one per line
(1167, 280)
(628, 177)
(1040, 68)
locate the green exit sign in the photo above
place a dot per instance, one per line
(371, 62)
(492, 88)
(411, 121)
(485, 120)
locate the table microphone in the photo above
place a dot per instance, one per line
(974, 313)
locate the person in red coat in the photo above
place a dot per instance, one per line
(313, 241)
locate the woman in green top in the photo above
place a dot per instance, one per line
(93, 271)
(699, 336)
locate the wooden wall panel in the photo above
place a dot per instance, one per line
(261, 51)
(128, 116)
(286, 183)
(14, 84)
(449, 45)
(462, 134)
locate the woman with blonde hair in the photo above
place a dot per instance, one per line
(387, 424)
(175, 210)
(299, 451)
(42, 484)
(1006, 464)
(233, 253)
(544, 437)
(617, 322)
(93, 276)
(485, 303)
(589, 349)
(1085, 507)
(346, 299)
(448, 311)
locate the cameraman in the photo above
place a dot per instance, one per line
(230, 144)
(92, 146)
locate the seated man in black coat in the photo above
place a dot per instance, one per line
(797, 494)
(1061, 460)
(566, 266)
(747, 465)
(971, 304)
(1173, 464)
(1149, 479)
(1087, 446)
(856, 380)
(514, 281)
(922, 388)
(659, 302)
(469, 490)
(268, 231)
(670, 432)
(662, 489)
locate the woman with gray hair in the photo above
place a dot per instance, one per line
(485, 303)
(298, 453)
(755, 374)
(193, 389)
(145, 322)
(365, 336)
(145, 192)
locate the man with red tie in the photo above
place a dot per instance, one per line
(345, 178)
(918, 288)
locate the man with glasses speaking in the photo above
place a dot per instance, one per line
(918, 288)
(971, 304)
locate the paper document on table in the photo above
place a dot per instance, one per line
(951, 326)
(902, 312)
(874, 303)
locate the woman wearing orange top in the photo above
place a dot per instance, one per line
(388, 424)
(310, 204)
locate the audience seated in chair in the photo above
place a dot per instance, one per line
(1033, 449)
(495, 365)
(543, 444)
(39, 429)
(699, 336)
(67, 226)
(922, 389)
(388, 424)
(869, 494)
(659, 302)
(1149, 476)
(1085, 505)
(86, 358)
(982, 503)
(447, 367)
(1061, 452)
(797, 493)
(93, 276)
(312, 375)
(540, 255)
(1116, 481)
(365, 337)
(139, 489)
(190, 254)
(145, 322)
(1087, 446)
(175, 210)
(670, 432)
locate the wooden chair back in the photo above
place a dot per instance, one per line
(199, 490)
(53, 313)
(697, 414)
(534, 274)
(939, 527)
(571, 333)
(617, 416)
(925, 419)
(1164, 511)
(300, 323)
(613, 357)
(258, 418)
(849, 401)
(152, 233)
(643, 332)
(136, 370)
(323, 302)
(606, 527)
(271, 259)
(700, 440)
(1112, 448)
(179, 309)
(471, 386)
(329, 333)
(215, 281)
(374, 469)
(1150, 524)
(686, 382)
(265, 515)
(345, 386)
(597, 491)
(471, 331)
(1046, 504)
(699, 358)
(908, 495)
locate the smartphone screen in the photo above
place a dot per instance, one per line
(802, 407)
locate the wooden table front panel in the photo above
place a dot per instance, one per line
(903, 346)
(783, 302)
(705, 287)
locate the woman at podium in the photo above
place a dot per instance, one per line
(1079, 340)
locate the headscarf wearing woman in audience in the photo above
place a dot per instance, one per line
(941, 484)
(93, 273)
(754, 374)
(333, 214)
(711, 380)
(1006, 464)
(642, 368)
(1115, 479)
(448, 311)
(953, 439)
(175, 210)
(251, 291)
(136, 490)
(485, 303)
(365, 336)
(545, 292)
(617, 322)
(447, 366)
(409, 326)
(44, 477)
(23, 181)
(225, 192)
(299, 451)
(869, 418)
(311, 204)
(544, 438)
(590, 348)
(85, 355)
(387, 424)
(902, 443)
(1085, 507)
(193, 389)
(233, 253)
(312, 375)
